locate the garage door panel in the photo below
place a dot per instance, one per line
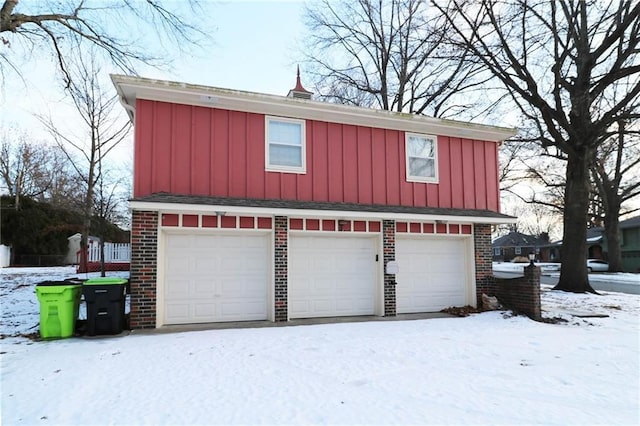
(210, 278)
(432, 274)
(331, 276)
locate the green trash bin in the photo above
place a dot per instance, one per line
(59, 306)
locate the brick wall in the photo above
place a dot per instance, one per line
(389, 253)
(144, 269)
(521, 294)
(280, 253)
(485, 283)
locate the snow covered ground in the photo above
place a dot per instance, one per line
(489, 368)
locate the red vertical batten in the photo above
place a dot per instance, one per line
(220, 172)
(406, 188)
(201, 152)
(392, 167)
(288, 185)
(480, 195)
(457, 196)
(162, 148)
(255, 156)
(378, 173)
(143, 149)
(335, 162)
(304, 182)
(181, 149)
(491, 169)
(208, 151)
(350, 155)
(319, 161)
(468, 185)
(238, 155)
(365, 190)
(444, 172)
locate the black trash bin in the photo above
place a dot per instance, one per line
(105, 298)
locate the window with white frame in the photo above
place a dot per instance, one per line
(496, 251)
(422, 161)
(518, 250)
(285, 145)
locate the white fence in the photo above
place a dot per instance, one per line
(113, 252)
(5, 255)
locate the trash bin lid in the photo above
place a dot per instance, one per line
(106, 281)
(58, 284)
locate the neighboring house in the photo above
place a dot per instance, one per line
(116, 255)
(629, 244)
(73, 250)
(516, 244)
(250, 206)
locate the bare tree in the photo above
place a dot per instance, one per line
(557, 60)
(103, 131)
(122, 30)
(616, 174)
(24, 165)
(388, 54)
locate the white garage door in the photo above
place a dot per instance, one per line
(433, 274)
(331, 276)
(212, 278)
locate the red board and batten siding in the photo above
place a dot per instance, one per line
(206, 151)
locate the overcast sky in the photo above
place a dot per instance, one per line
(254, 48)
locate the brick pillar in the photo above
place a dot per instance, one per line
(389, 249)
(531, 305)
(281, 254)
(144, 269)
(485, 282)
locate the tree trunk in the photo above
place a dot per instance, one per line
(573, 273)
(612, 234)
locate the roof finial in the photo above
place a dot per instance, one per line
(299, 91)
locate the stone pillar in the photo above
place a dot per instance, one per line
(389, 253)
(281, 253)
(144, 269)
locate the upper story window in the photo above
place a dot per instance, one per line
(285, 145)
(422, 161)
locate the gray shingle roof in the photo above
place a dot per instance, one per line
(164, 197)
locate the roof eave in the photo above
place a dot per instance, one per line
(132, 88)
